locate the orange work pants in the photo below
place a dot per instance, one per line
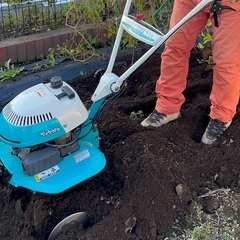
(224, 96)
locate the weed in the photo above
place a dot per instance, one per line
(204, 45)
(9, 71)
(37, 67)
(220, 225)
(51, 58)
(137, 115)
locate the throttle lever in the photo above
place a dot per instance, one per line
(216, 7)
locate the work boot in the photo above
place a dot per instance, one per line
(157, 119)
(214, 130)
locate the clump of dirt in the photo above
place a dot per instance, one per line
(137, 195)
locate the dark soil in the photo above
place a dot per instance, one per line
(135, 196)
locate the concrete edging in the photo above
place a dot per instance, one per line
(36, 46)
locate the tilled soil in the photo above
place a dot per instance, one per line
(135, 196)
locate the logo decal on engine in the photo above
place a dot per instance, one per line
(49, 132)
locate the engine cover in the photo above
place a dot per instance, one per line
(40, 160)
(40, 114)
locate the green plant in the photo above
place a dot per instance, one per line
(51, 58)
(200, 232)
(127, 40)
(206, 37)
(37, 67)
(206, 40)
(136, 115)
(93, 41)
(9, 22)
(71, 48)
(222, 224)
(205, 47)
(62, 50)
(87, 11)
(9, 71)
(161, 14)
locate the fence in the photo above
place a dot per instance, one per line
(21, 18)
(24, 18)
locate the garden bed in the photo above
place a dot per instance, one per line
(135, 196)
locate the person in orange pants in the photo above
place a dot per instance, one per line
(224, 96)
